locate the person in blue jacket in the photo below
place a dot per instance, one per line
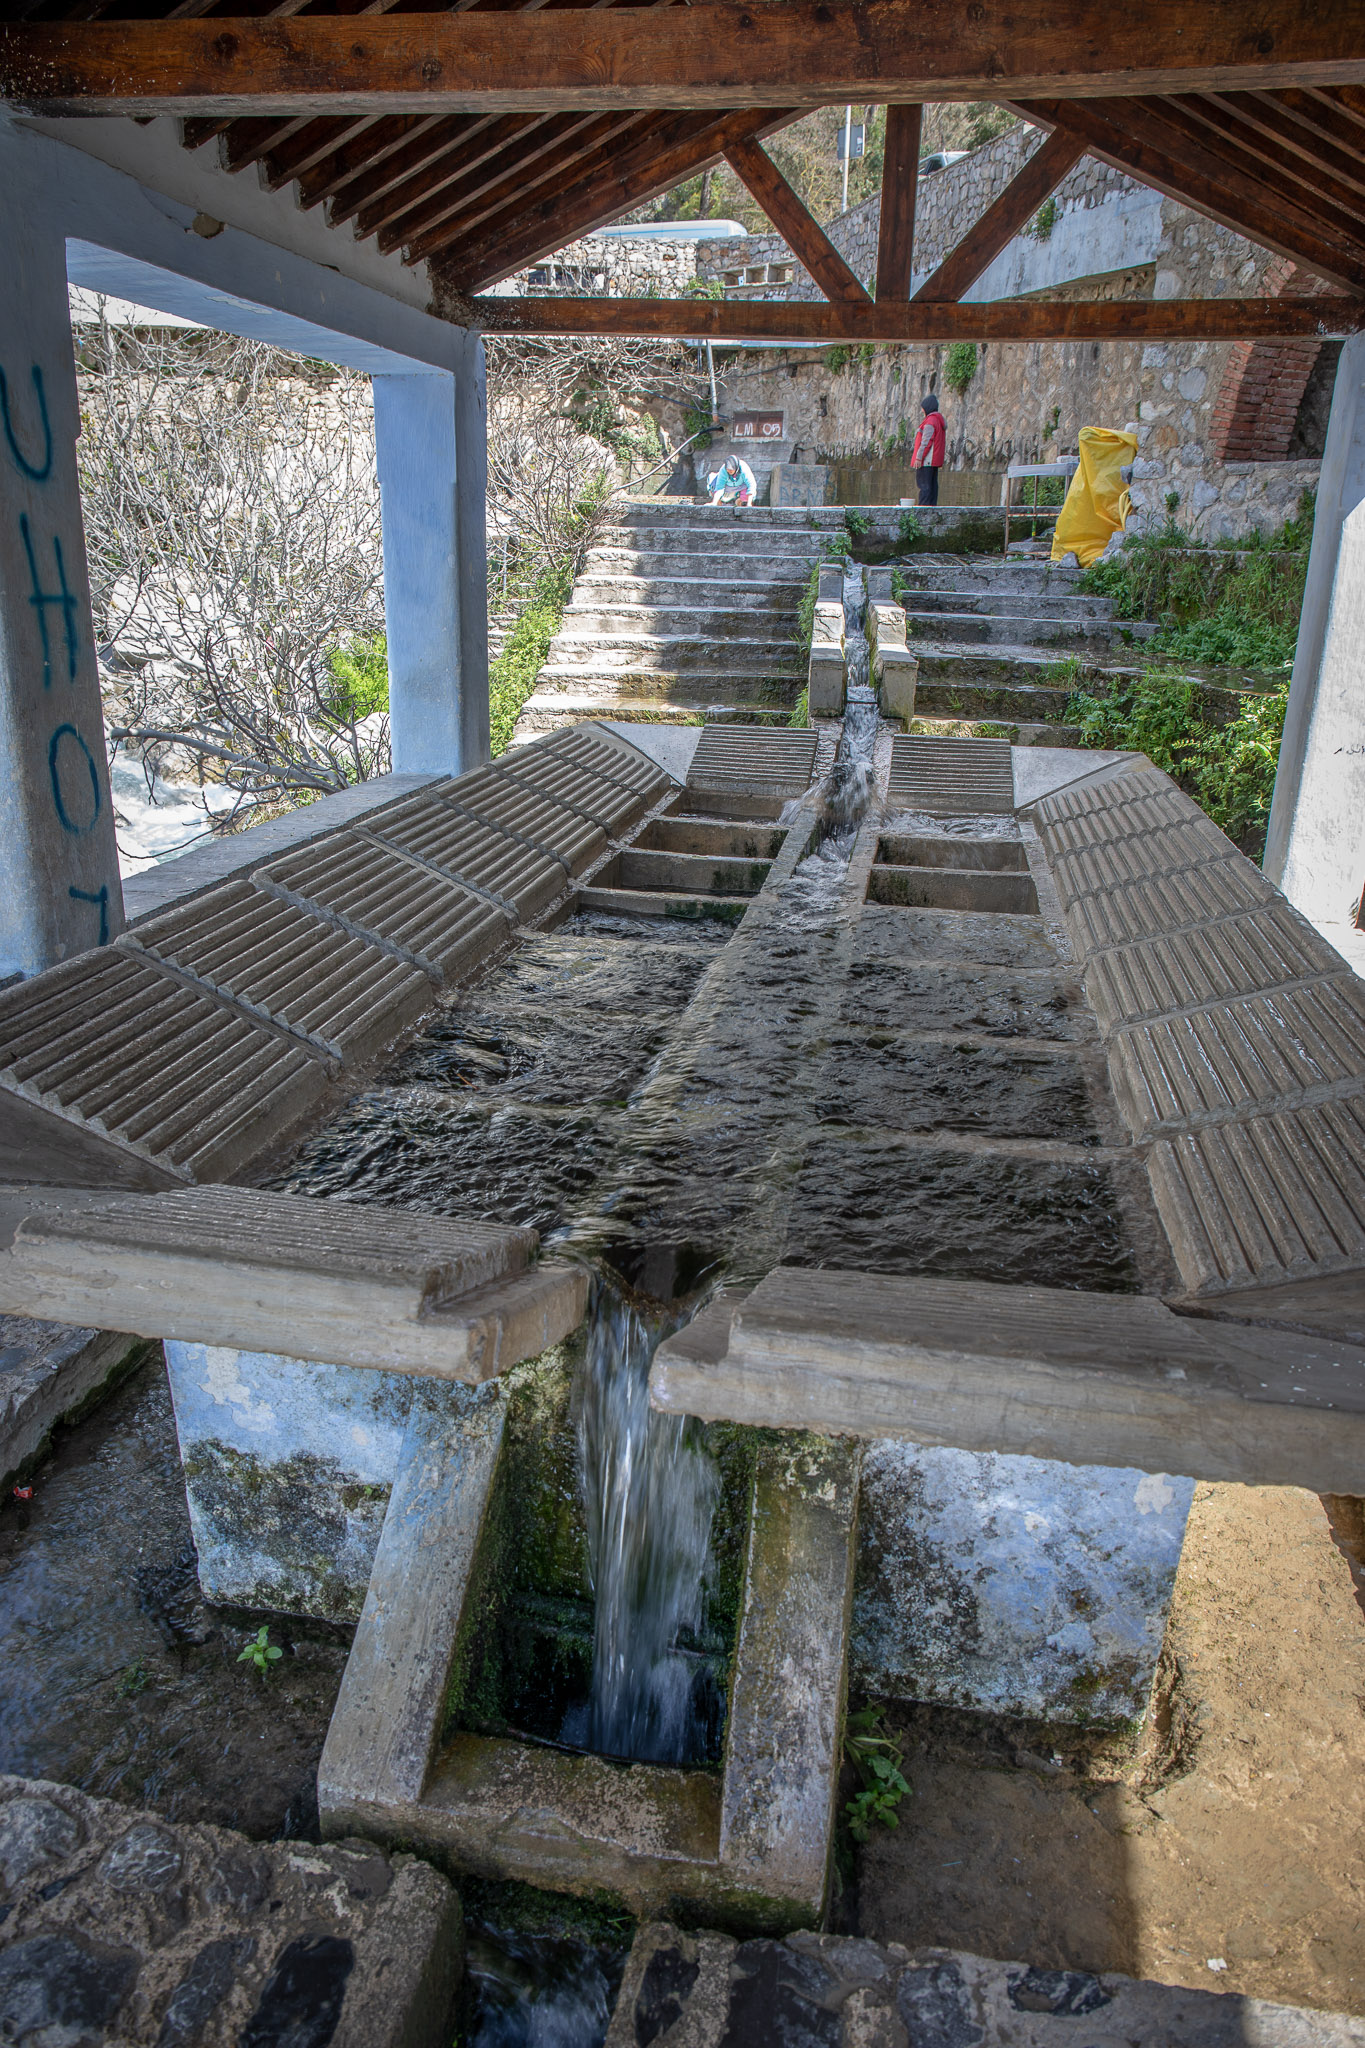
(733, 483)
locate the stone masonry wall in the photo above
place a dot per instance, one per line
(1027, 401)
(946, 199)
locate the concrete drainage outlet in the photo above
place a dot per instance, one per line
(745, 1840)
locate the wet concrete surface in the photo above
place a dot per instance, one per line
(116, 1677)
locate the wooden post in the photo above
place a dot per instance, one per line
(900, 186)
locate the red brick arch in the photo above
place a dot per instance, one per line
(1262, 389)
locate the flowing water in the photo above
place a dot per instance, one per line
(649, 1491)
(679, 1105)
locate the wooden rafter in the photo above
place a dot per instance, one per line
(1003, 219)
(715, 53)
(900, 190)
(434, 225)
(920, 320)
(803, 235)
(672, 149)
(1135, 136)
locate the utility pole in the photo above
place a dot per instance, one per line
(848, 147)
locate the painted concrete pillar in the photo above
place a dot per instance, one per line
(432, 452)
(60, 890)
(1315, 847)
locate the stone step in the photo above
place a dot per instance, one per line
(548, 711)
(987, 572)
(1009, 629)
(717, 563)
(1010, 603)
(673, 653)
(1008, 701)
(706, 591)
(732, 528)
(736, 622)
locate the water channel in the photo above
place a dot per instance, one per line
(680, 1105)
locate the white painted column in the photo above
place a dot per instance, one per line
(1315, 847)
(60, 890)
(432, 453)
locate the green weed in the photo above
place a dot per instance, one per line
(261, 1654)
(801, 711)
(135, 1679)
(857, 524)
(909, 529)
(959, 365)
(877, 1759)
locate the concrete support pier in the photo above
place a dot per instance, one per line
(1315, 847)
(432, 457)
(56, 818)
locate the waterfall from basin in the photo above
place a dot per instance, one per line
(649, 1491)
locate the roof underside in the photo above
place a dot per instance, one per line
(480, 196)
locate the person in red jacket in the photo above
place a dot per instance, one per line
(927, 455)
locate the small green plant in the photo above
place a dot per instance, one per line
(1044, 221)
(1172, 502)
(840, 545)
(1054, 420)
(261, 1653)
(909, 529)
(839, 357)
(801, 711)
(135, 1679)
(959, 365)
(877, 1759)
(899, 587)
(857, 524)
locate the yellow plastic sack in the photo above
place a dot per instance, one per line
(1097, 501)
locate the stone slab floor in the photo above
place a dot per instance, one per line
(1235, 1832)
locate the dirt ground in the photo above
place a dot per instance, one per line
(1233, 1834)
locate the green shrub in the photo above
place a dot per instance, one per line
(1233, 606)
(512, 677)
(857, 524)
(360, 673)
(909, 529)
(1228, 768)
(959, 365)
(801, 710)
(839, 357)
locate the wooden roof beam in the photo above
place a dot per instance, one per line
(924, 320)
(1204, 119)
(353, 172)
(900, 191)
(676, 146)
(483, 149)
(803, 234)
(1159, 156)
(461, 212)
(716, 53)
(1004, 217)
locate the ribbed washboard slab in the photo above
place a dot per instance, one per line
(957, 777)
(767, 760)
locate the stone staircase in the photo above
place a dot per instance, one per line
(1001, 642)
(681, 612)
(685, 612)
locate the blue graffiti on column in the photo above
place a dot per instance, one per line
(77, 823)
(41, 599)
(100, 897)
(39, 473)
(73, 771)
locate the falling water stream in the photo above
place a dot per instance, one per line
(649, 1491)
